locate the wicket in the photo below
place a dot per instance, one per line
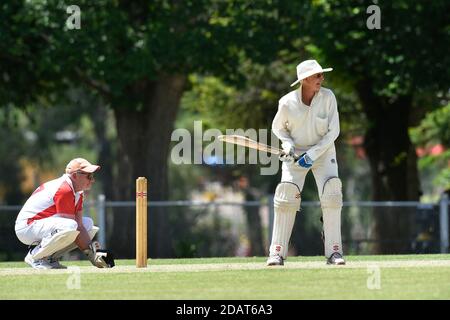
(141, 222)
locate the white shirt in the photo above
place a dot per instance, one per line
(312, 129)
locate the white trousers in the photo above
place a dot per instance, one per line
(41, 229)
(324, 168)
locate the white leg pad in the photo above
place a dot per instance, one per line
(54, 243)
(73, 245)
(286, 204)
(331, 202)
(282, 230)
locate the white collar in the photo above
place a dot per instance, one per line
(299, 95)
(69, 181)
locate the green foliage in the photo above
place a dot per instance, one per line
(403, 56)
(252, 105)
(44, 137)
(15, 143)
(122, 43)
(435, 129)
(207, 100)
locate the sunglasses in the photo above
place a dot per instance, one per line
(89, 176)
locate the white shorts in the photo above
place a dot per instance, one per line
(39, 229)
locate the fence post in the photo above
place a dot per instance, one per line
(87, 208)
(101, 219)
(271, 217)
(443, 223)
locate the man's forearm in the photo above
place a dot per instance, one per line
(83, 240)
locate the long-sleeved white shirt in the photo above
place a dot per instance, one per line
(308, 128)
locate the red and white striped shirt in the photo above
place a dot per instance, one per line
(53, 198)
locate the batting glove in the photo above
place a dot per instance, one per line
(305, 161)
(288, 155)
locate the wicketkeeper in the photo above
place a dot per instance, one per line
(51, 222)
(307, 123)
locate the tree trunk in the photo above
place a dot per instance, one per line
(254, 226)
(393, 164)
(143, 148)
(105, 154)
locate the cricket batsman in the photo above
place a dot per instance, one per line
(51, 222)
(307, 123)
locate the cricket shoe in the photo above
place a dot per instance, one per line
(336, 259)
(39, 263)
(275, 260)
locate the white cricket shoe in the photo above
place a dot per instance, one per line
(336, 259)
(275, 260)
(38, 264)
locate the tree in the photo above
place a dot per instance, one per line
(13, 144)
(434, 129)
(137, 55)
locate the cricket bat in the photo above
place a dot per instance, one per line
(249, 143)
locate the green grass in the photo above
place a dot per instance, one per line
(419, 282)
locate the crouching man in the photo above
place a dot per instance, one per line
(51, 222)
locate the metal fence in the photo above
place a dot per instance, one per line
(423, 211)
(433, 214)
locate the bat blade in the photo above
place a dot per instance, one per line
(249, 143)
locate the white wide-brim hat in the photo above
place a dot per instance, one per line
(308, 68)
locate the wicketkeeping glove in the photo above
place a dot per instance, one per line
(105, 258)
(99, 257)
